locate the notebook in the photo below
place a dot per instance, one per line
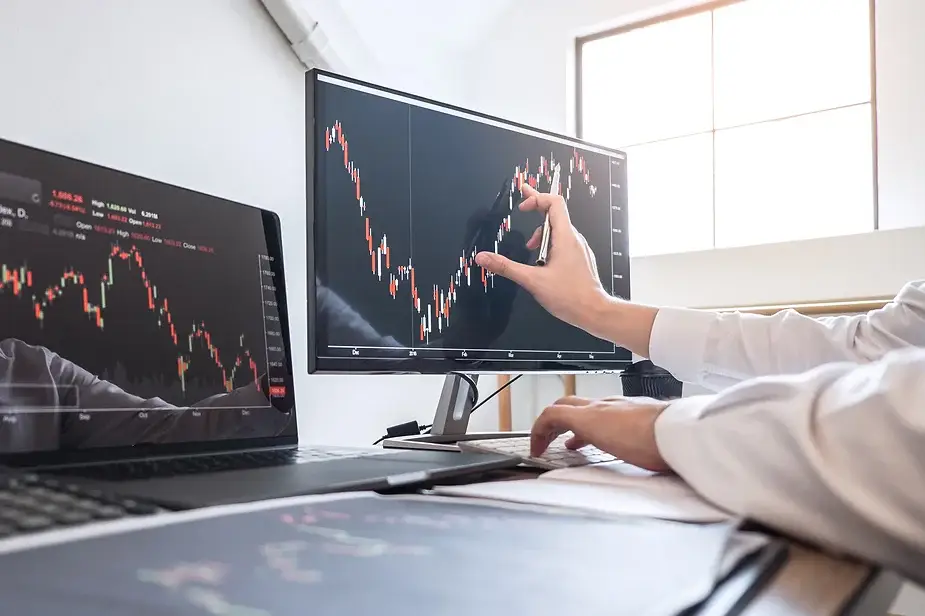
(361, 553)
(612, 488)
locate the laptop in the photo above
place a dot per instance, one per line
(145, 346)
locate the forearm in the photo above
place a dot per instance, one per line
(833, 456)
(718, 350)
(623, 323)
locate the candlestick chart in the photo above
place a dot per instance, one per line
(123, 270)
(433, 302)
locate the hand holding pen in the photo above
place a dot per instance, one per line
(567, 285)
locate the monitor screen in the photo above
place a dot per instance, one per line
(134, 313)
(403, 193)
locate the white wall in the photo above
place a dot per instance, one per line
(207, 95)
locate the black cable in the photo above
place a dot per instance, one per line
(473, 388)
(411, 428)
(493, 394)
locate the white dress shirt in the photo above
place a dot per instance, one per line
(818, 426)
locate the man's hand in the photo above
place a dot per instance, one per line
(568, 286)
(624, 427)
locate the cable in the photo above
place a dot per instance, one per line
(411, 428)
(494, 393)
(472, 410)
(473, 388)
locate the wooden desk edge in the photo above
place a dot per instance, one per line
(813, 583)
(859, 305)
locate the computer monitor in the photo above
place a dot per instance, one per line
(136, 316)
(402, 193)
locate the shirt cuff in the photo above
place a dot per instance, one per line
(692, 453)
(678, 341)
(674, 432)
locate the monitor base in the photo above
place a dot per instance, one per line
(451, 420)
(444, 442)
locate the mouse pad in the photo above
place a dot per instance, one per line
(351, 555)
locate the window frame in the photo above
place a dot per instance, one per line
(713, 5)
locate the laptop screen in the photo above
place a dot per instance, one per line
(135, 316)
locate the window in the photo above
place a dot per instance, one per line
(745, 122)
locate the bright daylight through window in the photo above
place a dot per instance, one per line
(747, 122)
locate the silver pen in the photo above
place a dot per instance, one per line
(543, 255)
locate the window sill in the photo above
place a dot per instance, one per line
(863, 267)
(847, 306)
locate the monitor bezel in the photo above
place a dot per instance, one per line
(322, 364)
(69, 457)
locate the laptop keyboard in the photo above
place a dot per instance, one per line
(31, 503)
(172, 467)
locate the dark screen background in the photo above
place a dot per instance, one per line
(380, 133)
(428, 179)
(451, 185)
(211, 279)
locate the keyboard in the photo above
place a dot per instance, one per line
(187, 465)
(556, 456)
(31, 503)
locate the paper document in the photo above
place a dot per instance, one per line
(346, 554)
(616, 488)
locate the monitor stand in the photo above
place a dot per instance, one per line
(451, 421)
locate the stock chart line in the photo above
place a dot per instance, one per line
(440, 299)
(20, 280)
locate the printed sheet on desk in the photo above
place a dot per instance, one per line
(614, 488)
(357, 554)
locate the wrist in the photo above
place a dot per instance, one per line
(623, 323)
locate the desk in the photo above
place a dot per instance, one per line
(810, 583)
(815, 584)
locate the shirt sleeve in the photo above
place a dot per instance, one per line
(717, 350)
(835, 456)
